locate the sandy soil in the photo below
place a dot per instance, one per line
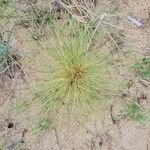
(123, 135)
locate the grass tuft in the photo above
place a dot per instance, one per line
(76, 80)
(4, 57)
(8, 58)
(136, 112)
(143, 68)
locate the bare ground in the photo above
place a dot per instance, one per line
(124, 134)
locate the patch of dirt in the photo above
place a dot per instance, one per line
(120, 135)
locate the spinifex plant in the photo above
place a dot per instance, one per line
(77, 80)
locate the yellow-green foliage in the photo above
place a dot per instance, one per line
(76, 80)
